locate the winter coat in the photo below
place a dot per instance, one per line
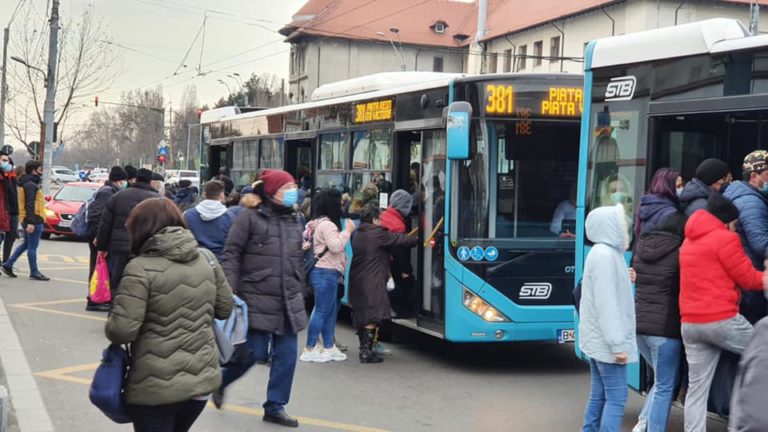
(185, 198)
(368, 274)
(112, 234)
(96, 209)
(748, 413)
(165, 306)
(694, 196)
(5, 217)
(209, 222)
(264, 264)
(329, 241)
(607, 308)
(31, 203)
(394, 222)
(753, 219)
(657, 263)
(11, 192)
(653, 209)
(712, 264)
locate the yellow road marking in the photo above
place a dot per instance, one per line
(80, 282)
(63, 313)
(53, 302)
(63, 375)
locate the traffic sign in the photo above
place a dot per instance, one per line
(477, 253)
(463, 253)
(491, 253)
(163, 151)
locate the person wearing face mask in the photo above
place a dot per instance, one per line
(117, 181)
(209, 220)
(11, 198)
(713, 268)
(659, 201)
(263, 262)
(710, 177)
(32, 215)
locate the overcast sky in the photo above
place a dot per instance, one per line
(240, 36)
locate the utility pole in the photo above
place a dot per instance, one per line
(170, 138)
(4, 86)
(50, 95)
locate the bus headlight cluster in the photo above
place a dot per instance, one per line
(481, 308)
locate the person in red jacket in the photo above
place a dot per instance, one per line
(713, 265)
(395, 220)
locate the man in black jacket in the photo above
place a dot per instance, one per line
(118, 180)
(112, 235)
(10, 186)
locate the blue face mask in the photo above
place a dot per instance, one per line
(765, 187)
(290, 197)
(6, 167)
(619, 197)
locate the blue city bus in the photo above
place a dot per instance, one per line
(652, 104)
(495, 258)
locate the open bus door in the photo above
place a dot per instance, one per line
(298, 160)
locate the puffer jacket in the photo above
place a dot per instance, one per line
(96, 209)
(748, 413)
(31, 203)
(657, 263)
(112, 234)
(264, 264)
(653, 209)
(607, 308)
(694, 196)
(753, 219)
(165, 307)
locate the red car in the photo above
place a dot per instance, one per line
(63, 206)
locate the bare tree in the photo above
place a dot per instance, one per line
(264, 91)
(85, 66)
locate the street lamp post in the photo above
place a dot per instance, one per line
(3, 81)
(399, 52)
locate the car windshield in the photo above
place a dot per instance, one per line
(64, 171)
(188, 174)
(73, 193)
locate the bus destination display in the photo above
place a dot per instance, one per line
(502, 100)
(366, 112)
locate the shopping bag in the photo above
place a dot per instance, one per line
(99, 288)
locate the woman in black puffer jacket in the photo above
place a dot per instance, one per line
(657, 263)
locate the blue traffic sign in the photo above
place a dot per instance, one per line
(477, 253)
(163, 151)
(491, 253)
(463, 253)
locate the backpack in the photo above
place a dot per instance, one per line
(80, 221)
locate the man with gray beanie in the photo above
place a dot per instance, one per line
(395, 219)
(709, 177)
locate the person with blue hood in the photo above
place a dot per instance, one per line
(659, 201)
(186, 196)
(209, 220)
(710, 176)
(607, 324)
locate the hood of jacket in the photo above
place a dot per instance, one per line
(702, 223)
(185, 194)
(608, 225)
(655, 245)
(695, 189)
(26, 178)
(210, 209)
(653, 206)
(174, 243)
(741, 189)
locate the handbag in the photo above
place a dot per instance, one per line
(108, 383)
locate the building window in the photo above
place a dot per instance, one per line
(554, 48)
(493, 62)
(439, 27)
(508, 60)
(437, 64)
(538, 51)
(522, 58)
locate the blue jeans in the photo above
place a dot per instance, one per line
(605, 408)
(30, 245)
(325, 282)
(284, 356)
(663, 354)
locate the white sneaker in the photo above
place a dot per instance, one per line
(641, 426)
(333, 354)
(314, 356)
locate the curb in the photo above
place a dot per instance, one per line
(27, 402)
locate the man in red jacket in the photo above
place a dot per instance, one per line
(713, 265)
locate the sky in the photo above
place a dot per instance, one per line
(154, 35)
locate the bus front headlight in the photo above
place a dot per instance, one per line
(481, 308)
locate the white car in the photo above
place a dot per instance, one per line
(60, 175)
(174, 176)
(99, 177)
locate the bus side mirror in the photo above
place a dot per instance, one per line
(457, 125)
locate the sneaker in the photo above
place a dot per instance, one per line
(39, 276)
(343, 348)
(314, 356)
(382, 350)
(8, 272)
(333, 354)
(641, 426)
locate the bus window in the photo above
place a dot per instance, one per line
(372, 150)
(271, 153)
(334, 149)
(244, 162)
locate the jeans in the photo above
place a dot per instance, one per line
(30, 245)
(605, 408)
(284, 356)
(703, 344)
(323, 319)
(10, 237)
(176, 417)
(663, 355)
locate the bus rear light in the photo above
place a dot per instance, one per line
(481, 308)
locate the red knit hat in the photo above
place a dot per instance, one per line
(274, 179)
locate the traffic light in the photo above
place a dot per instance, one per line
(161, 159)
(96, 101)
(199, 112)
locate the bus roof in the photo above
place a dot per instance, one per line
(713, 35)
(376, 82)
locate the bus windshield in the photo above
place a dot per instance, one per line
(520, 182)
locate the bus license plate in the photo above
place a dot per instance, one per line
(566, 335)
(65, 223)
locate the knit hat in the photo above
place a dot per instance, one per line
(711, 170)
(274, 179)
(755, 161)
(401, 201)
(143, 175)
(117, 173)
(157, 177)
(130, 171)
(722, 208)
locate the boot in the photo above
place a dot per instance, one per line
(367, 355)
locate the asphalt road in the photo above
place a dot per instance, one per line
(428, 385)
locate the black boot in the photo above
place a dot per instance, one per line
(367, 355)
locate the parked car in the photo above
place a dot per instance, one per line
(61, 175)
(99, 177)
(173, 176)
(62, 207)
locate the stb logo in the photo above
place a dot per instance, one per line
(535, 291)
(621, 89)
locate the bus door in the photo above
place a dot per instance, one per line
(298, 160)
(218, 157)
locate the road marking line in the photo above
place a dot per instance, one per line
(62, 280)
(63, 375)
(63, 313)
(54, 302)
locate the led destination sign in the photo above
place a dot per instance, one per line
(375, 111)
(501, 100)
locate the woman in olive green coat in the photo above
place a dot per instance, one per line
(168, 297)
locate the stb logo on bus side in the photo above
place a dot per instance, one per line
(535, 291)
(621, 89)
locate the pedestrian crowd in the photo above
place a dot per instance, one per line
(698, 265)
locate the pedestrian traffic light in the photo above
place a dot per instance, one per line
(96, 101)
(161, 159)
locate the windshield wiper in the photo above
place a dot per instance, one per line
(498, 267)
